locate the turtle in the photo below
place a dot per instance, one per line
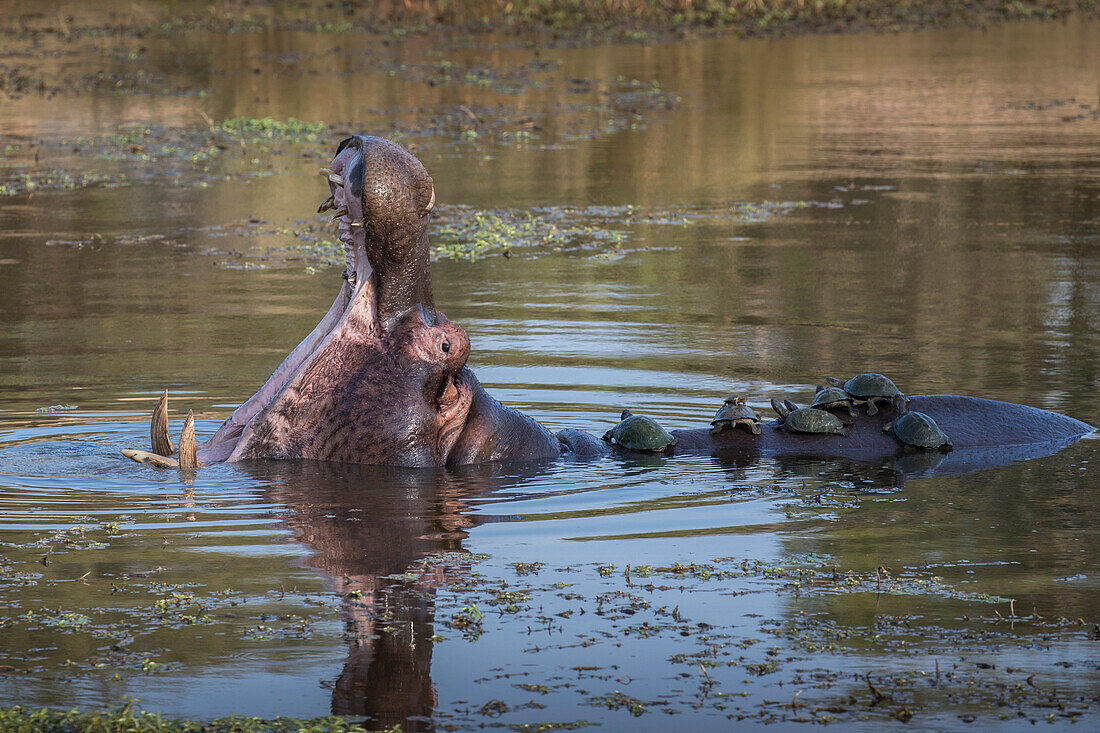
(918, 430)
(793, 418)
(640, 433)
(871, 388)
(832, 398)
(735, 412)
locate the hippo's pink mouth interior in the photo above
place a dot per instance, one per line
(345, 181)
(453, 405)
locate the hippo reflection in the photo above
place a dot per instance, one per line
(382, 379)
(389, 621)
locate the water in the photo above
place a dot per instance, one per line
(744, 216)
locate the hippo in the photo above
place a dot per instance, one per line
(382, 378)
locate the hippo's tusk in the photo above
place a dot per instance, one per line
(338, 213)
(329, 203)
(158, 428)
(144, 456)
(332, 176)
(188, 457)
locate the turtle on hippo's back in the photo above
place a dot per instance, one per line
(640, 433)
(733, 413)
(793, 418)
(918, 430)
(872, 388)
(833, 398)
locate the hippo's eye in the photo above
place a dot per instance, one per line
(446, 347)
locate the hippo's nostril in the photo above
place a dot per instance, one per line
(446, 347)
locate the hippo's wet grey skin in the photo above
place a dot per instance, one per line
(382, 378)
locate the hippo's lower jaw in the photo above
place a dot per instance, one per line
(345, 181)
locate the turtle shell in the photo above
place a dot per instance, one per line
(734, 411)
(812, 420)
(829, 396)
(919, 430)
(870, 384)
(640, 433)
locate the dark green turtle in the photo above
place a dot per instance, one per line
(807, 419)
(919, 431)
(871, 388)
(733, 413)
(640, 433)
(833, 398)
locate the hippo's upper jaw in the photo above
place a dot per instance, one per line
(383, 199)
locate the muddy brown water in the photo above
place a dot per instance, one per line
(742, 216)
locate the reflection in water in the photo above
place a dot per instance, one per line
(367, 527)
(624, 563)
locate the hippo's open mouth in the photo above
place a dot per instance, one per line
(382, 379)
(380, 199)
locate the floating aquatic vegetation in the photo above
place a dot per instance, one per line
(201, 143)
(1069, 110)
(463, 232)
(502, 80)
(56, 408)
(644, 602)
(549, 620)
(466, 233)
(197, 155)
(20, 182)
(563, 22)
(130, 718)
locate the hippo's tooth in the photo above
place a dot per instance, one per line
(338, 213)
(144, 456)
(332, 176)
(158, 428)
(329, 203)
(188, 457)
